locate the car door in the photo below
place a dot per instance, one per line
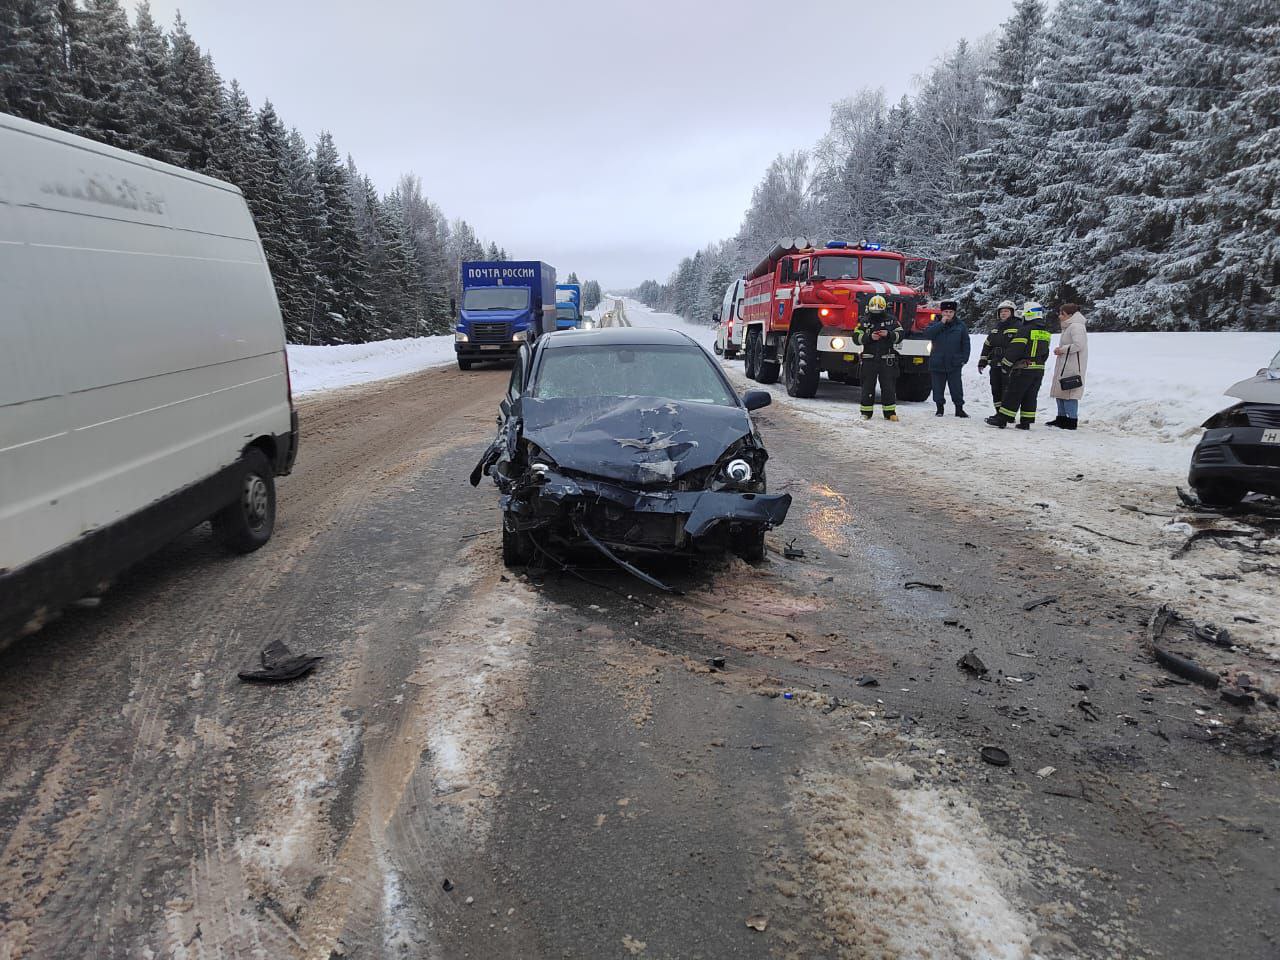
(504, 445)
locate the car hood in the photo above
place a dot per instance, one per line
(1259, 389)
(639, 440)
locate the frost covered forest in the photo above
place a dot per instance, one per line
(350, 264)
(1122, 154)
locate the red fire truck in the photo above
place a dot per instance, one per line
(802, 304)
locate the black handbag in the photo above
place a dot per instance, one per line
(1073, 382)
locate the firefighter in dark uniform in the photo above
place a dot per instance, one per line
(993, 349)
(1023, 362)
(877, 334)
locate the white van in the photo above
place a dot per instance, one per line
(731, 332)
(143, 380)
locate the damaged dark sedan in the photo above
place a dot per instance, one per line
(629, 441)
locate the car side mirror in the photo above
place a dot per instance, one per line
(755, 399)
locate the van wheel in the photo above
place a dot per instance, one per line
(517, 546)
(464, 364)
(247, 523)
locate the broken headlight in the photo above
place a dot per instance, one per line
(1231, 417)
(740, 469)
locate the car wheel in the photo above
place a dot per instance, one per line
(517, 546)
(246, 524)
(1220, 493)
(802, 364)
(749, 544)
(752, 354)
(464, 364)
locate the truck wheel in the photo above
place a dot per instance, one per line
(718, 350)
(517, 546)
(914, 387)
(752, 362)
(246, 524)
(749, 544)
(767, 371)
(802, 364)
(1220, 493)
(464, 364)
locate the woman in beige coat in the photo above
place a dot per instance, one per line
(1073, 361)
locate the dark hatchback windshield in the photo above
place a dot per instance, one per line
(881, 268)
(668, 371)
(835, 268)
(495, 298)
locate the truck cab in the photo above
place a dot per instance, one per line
(568, 306)
(803, 304)
(504, 304)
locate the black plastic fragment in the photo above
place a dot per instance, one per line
(279, 665)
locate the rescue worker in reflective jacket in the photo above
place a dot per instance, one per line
(877, 334)
(1023, 362)
(993, 349)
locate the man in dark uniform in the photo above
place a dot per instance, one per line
(1023, 361)
(877, 333)
(993, 349)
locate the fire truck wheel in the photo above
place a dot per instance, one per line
(914, 387)
(802, 364)
(752, 354)
(767, 371)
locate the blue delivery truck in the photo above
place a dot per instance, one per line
(568, 306)
(504, 304)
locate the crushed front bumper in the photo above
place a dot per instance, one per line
(1247, 456)
(664, 521)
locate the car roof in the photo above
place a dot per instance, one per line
(616, 336)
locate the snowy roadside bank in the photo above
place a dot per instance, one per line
(316, 369)
(1103, 495)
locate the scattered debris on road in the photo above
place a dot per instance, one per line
(921, 585)
(994, 756)
(867, 681)
(972, 663)
(758, 923)
(1043, 602)
(279, 665)
(792, 552)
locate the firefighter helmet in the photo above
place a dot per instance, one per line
(877, 304)
(1032, 311)
(1005, 305)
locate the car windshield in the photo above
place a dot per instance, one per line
(567, 313)
(882, 268)
(835, 268)
(495, 298)
(1275, 362)
(669, 371)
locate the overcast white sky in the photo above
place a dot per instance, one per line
(610, 139)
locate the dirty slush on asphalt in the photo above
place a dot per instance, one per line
(784, 761)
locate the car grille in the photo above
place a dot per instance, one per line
(1264, 456)
(491, 332)
(1210, 455)
(1268, 416)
